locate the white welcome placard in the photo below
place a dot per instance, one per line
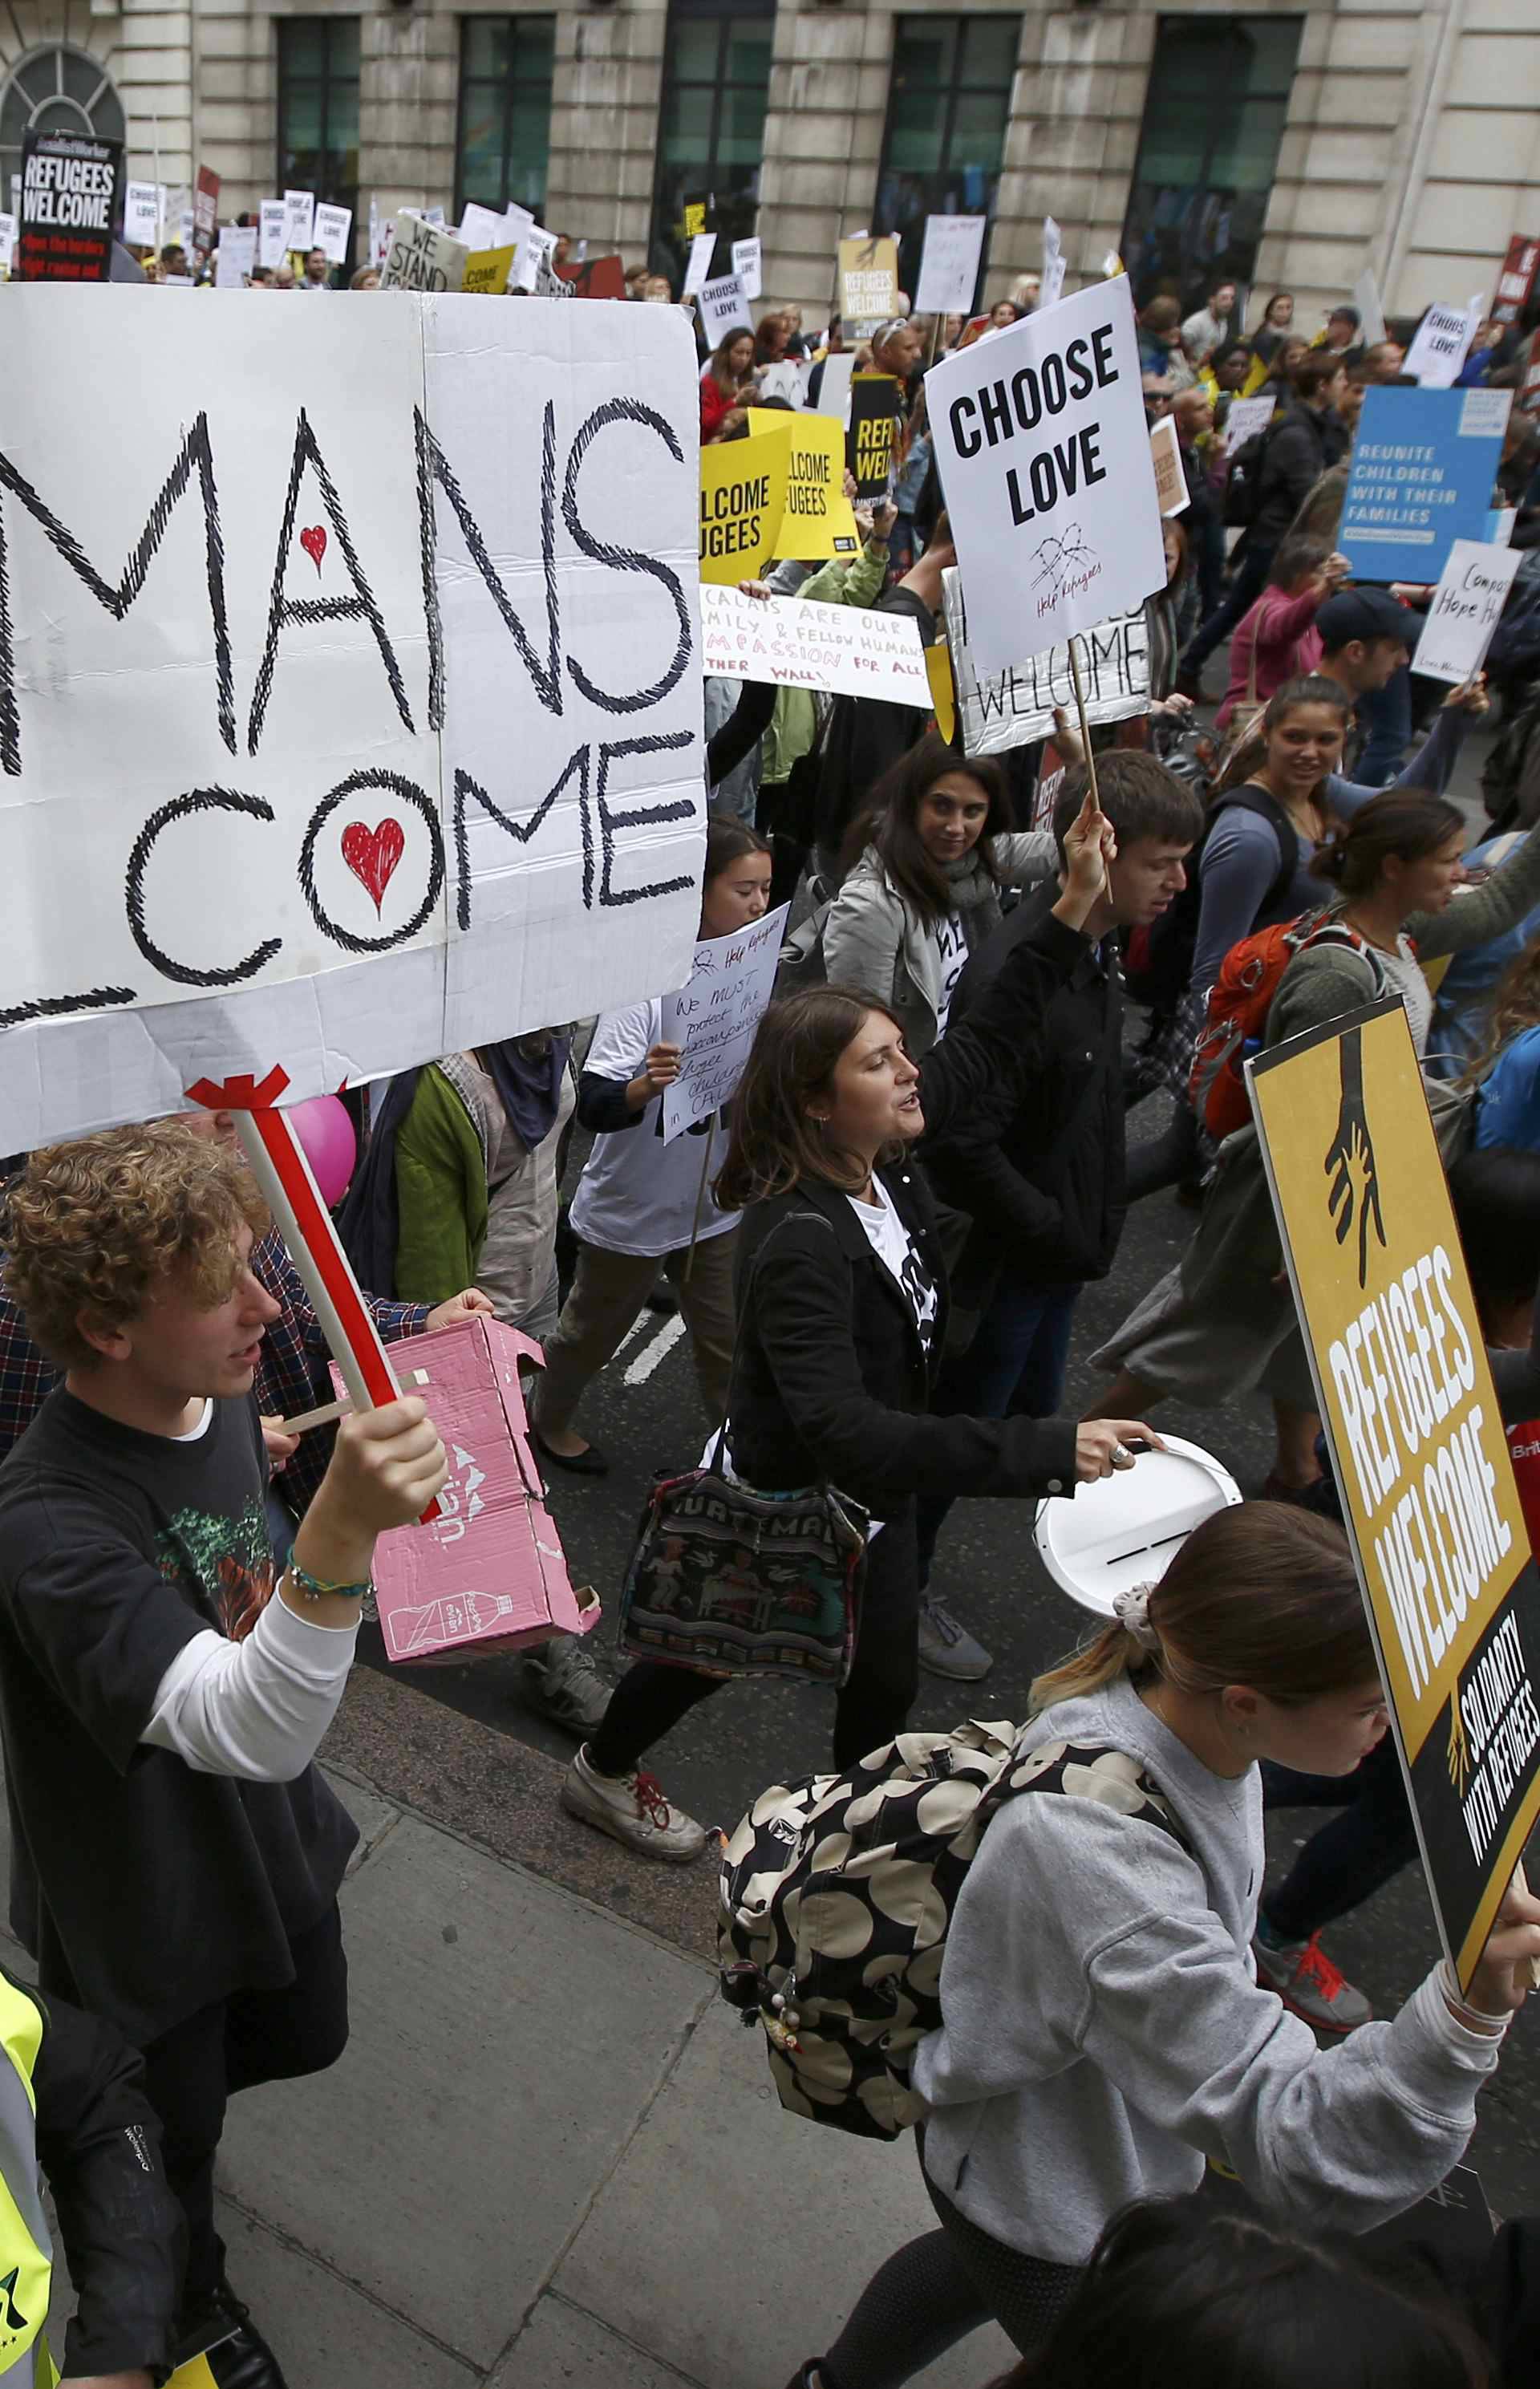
(1044, 456)
(1009, 708)
(355, 745)
(799, 643)
(1467, 607)
(713, 1017)
(949, 265)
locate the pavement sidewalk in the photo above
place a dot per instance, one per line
(550, 2156)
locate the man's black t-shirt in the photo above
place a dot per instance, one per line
(143, 1888)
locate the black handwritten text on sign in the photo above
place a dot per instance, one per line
(331, 648)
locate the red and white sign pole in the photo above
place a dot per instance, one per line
(278, 1164)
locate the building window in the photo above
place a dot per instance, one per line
(503, 147)
(949, 105)
(318, 110)
(56, 90)
(1214, 117)
(716, 84)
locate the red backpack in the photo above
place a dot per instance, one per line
(1239, 1002)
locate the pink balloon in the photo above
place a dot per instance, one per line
(325, 1131)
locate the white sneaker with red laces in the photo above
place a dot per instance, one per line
(633, 1810)
(1307, 1980)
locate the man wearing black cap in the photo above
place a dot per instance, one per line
(1366, 636)
(1341, 336)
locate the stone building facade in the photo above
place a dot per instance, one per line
(1292, 145)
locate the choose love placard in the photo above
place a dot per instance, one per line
(358, 742)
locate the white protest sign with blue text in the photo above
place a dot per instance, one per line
(1044, 455)
(712, 1019)
(355, 745)
(1423, 465)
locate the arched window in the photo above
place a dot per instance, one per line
(58, 89)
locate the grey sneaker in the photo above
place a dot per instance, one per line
(563, 1682)
(633, 1810)
(1306, 1980)
(948, 1649)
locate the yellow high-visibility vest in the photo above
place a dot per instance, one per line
(26, 2248)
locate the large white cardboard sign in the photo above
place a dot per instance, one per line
(1467, 607)
(1440, 345)
(1044, 456)
(1009, 708)
(949, 265)
(797, 644)
(349, 686)
(713, 1018)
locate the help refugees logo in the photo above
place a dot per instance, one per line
(1063, 566)
(1353, 1193)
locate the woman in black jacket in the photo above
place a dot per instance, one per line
(841, 1309)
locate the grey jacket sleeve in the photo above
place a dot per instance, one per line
(1484, 913)
(1026, 856)
(862, 937)
(1242, 859)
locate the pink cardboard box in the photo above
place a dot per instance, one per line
(489, 1574)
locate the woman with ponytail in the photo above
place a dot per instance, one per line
(1102, 2031)
(1221, 1322)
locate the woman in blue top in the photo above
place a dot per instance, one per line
(1507, 1070)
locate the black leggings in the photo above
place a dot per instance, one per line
(937, 2290)
(650, 1699)
(1351, 1857)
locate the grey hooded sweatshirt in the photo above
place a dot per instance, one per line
(1104, 2031)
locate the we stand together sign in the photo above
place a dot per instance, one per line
(349, 686)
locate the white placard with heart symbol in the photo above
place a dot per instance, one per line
(352, 709)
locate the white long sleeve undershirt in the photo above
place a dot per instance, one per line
(256, 1709)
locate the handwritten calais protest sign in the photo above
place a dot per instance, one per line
(868, 284)
(1044, 455)
(723, 309)
(330, 232)
(356, 748)
(777, 492)
(272, 248)
(746, 266)
(795, 643)
(141, 215)
(1418, 1444)
(68, 200)
(949, 265)
(299, 219)
(1009, 709)
(714, 1016)
(423, 257)
(1424, 464)
(1166, 456)
(875, 399)
(1466, 609)
(1439, 346)
(238, 255)
(1247, 416)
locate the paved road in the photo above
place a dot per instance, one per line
(643, 1410)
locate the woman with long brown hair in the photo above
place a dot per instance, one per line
(727, 379)
(842, 1304)
(1102, 2030)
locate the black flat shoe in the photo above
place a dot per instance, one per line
(591, 1462)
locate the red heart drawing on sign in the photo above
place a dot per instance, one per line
(372, 854)
(313, 541)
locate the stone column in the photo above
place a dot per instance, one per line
(604, 124)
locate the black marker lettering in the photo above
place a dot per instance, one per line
(624, 559)
(198, 800)
(433, 465)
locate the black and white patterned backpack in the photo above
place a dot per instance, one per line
(836, 1892)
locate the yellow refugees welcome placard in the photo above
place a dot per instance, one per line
(1417, 1440)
